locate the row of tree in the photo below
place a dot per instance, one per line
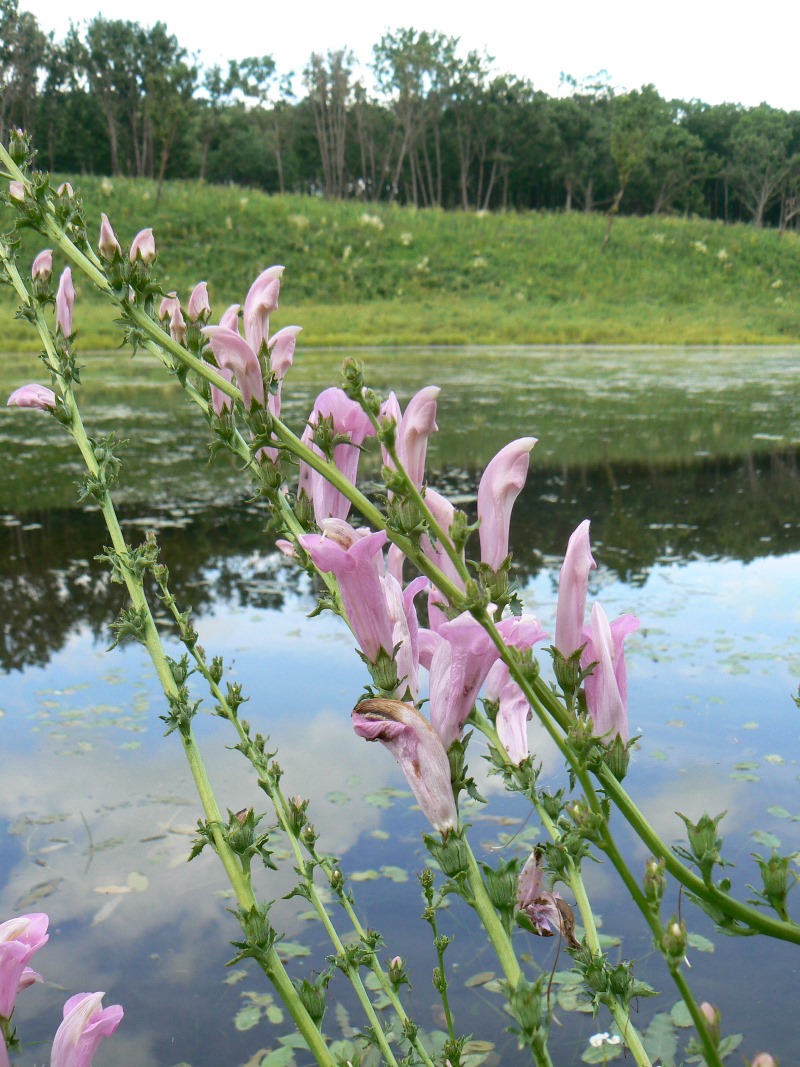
(435, 129)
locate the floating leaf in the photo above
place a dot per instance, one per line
(778, 811)
(746, 765)
(660, 1041)
(107, 910)
(336, 797)
(235, 976)
(275, 1014)
(774, 758)
(395, 874)
(699, 943)
(676, 722)
(112, 890)
(39, 892)
(741, 776)
(281, 1057)
(603, 1054)
(247, 1017)
(681, 1015)
(378, 800)
(289, 950)
(479, 979)
(364, 876)
(749, 725)
(138, 882)
(659, 754)
(768, 840)
(380, 835)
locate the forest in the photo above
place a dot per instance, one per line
(427, 127)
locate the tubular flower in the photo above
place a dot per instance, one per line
(358, 569)
(607, 686)
(32, 396)
(85, 1025)
(65, 300)
(281, 354)
(418, 750)
(443, 511)
(43, 265)
(260, 302)
(413, 428)
(235, 355)
(458, 669)
(573, 584)
(20, 938)
(514, 711)
(143, 247)
(501, 484)
(108, 244)
(348, 418)
(547, 912)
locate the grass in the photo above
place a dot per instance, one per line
(361, 274)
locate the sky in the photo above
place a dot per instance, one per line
(688, 50)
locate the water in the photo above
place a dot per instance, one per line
(687, 464)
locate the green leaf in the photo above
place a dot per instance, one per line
(699, 943)
(281, 1057)
(275, 1014)
(680, 1014)
(729, 1044)
(395, 874)
(660, 1041)
(289, 950)
(247, 1017)
(763, 837)
(603, 1054)
(778, 811)
(479, 979)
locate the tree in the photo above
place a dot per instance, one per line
(23, 55)
(327, 80)
(761, 159)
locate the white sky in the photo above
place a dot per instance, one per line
(701, 49)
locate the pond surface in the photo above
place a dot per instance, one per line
(686, 462)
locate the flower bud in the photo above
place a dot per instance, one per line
(143, 247)
(673, 940)
(65, 190)
(616, 757)
(19, 146)
(655, 881)
(712, 1017)
(312, 994)
(199, 307)
(65, 299)
(32, 396)
(43, 265)
(16, 190)
(108, 244)
(397, 972)
(763, 1059)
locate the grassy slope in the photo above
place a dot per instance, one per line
(375, 274)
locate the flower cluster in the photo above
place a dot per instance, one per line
(85, 1021)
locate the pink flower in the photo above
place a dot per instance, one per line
(281, 353)
(66, 190)
(413, 428)
(547, 912)
(20, 938)
(32, 396)
(108, 244)
(143, 247)
(573, 584)
(514, 710)
(85, 1025)
(443, 512)
(43, 265)
(234, 354)
(458, 669)
(65, 300)
(358, 569)
(168, 305)
(607, 686)
(499, 487)
(260, 302)
(348, 418)
(417, 749)
(199, 307)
